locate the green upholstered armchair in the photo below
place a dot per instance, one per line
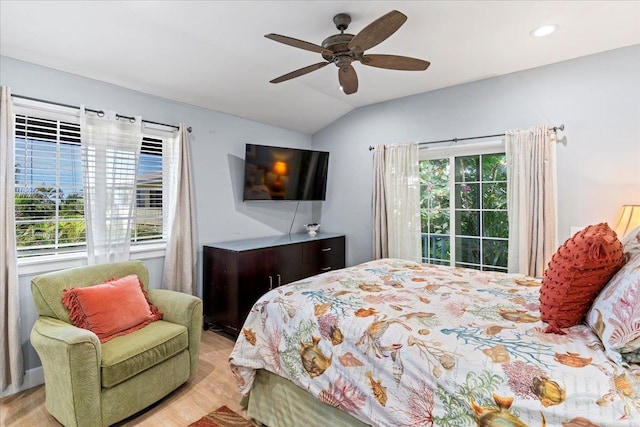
(92, 384)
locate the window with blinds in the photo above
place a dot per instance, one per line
(49, 204)
(148, 220)
(48, 194)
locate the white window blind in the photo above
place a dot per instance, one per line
(149, 188)
(49, 202)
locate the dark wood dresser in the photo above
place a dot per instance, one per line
(237, 273)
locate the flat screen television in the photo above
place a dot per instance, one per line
(279, 173)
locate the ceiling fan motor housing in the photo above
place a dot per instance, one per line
(338, 44)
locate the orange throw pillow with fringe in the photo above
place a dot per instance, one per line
(577, 272)
(111, 309)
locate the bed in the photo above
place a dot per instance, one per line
(397, 343)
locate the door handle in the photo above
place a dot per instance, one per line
(326, 269)
(270, 283)
(326, 249)
(279, 280)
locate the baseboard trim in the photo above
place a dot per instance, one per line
(32, 378)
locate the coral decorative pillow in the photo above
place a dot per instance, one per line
(615, 314)
(576, 273)
(111, 309)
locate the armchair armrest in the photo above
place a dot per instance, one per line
(63, 332)
(71, 362)
(183, 309)
(176, 306)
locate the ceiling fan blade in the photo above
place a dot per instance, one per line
(395, 62)
(299, 44)
(300, 72)
(378, 31)
(348, 79)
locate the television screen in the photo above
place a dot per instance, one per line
(278, 173)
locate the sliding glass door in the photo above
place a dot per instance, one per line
(464, 209)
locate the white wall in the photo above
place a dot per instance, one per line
(217, 151)
(597, 98)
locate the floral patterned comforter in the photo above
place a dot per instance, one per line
(396, 343)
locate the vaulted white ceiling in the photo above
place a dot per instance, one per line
(214, 54)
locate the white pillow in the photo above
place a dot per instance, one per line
(631, 242)
(615, 314)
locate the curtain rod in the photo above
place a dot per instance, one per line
(454, 140)
(100, 113)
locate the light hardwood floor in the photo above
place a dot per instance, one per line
(211, 387)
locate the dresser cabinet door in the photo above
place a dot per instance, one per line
(255, 279)
(287, 264)
(220, 286)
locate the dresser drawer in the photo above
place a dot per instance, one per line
(322, 252)
(311, 269)
(322, 255)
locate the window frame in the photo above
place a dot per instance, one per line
(140, 249)
(451, 151)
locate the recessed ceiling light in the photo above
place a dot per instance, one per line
(543, 30)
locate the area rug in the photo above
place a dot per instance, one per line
(222, 417)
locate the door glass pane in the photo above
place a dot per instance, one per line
(494, 252)
(467, 196)
(494, 167)
(435, 220)
(434, 196)
(494, 195)
(434, 203)
(468, 250)
(495, 224)
(468, 223)
(467, 168)
(439, 247)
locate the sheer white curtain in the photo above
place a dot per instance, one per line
(396, 202)
(531, 199)
(110, 154)
(11, 364)
(180, 226)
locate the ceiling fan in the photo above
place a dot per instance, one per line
(342, 49)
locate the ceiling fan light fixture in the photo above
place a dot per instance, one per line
(543, 30)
